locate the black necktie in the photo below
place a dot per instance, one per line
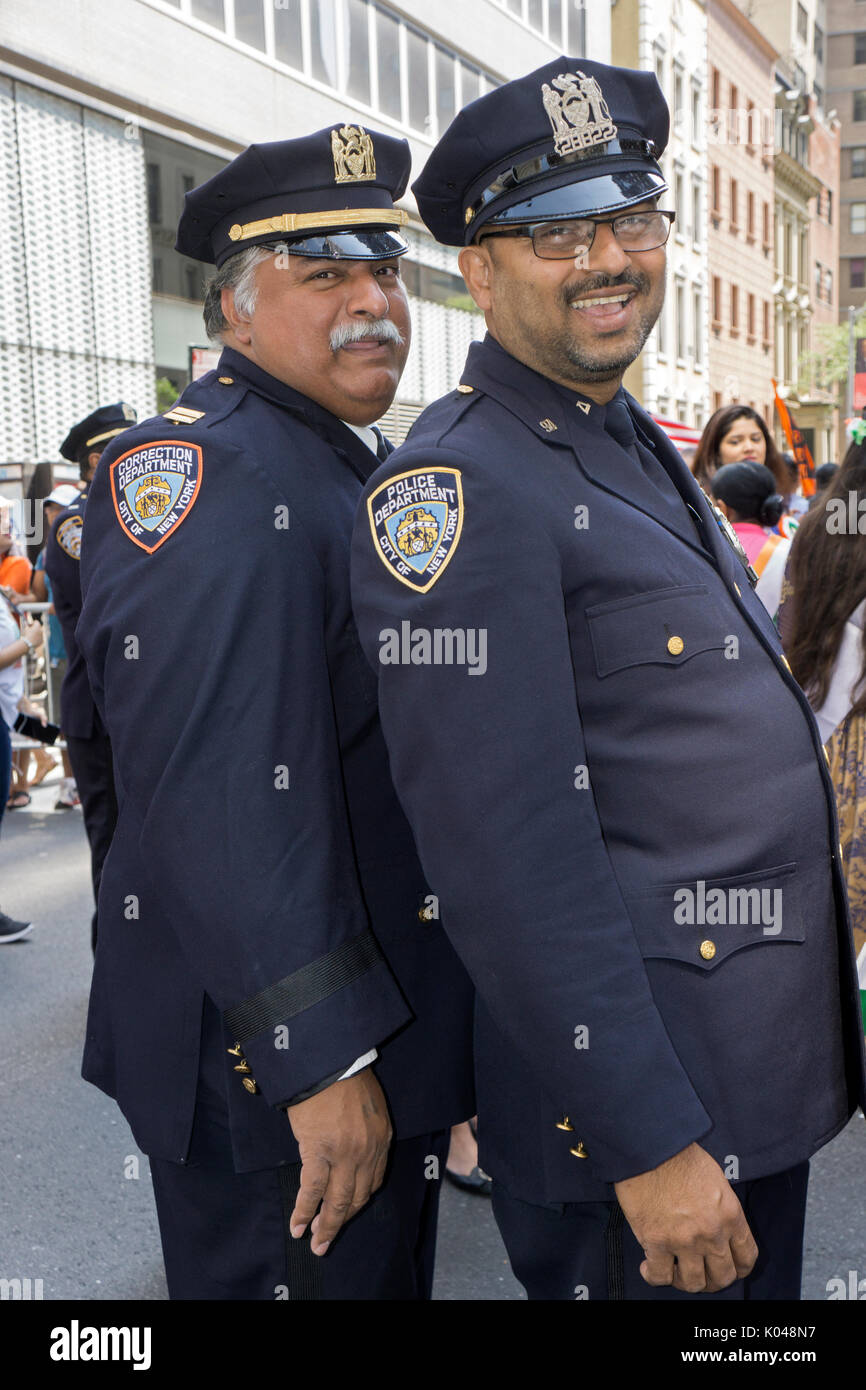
(620, 426)
(381, 446)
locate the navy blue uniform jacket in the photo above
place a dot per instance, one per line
(78, 714)
(614, 738)
(261, 857)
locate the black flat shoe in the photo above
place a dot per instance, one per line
(477, 1181)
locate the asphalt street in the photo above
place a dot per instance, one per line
(76, 1205)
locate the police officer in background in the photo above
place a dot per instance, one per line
(273, 990)
(87, 742)
(617, 788)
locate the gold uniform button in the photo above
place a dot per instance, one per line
(580, 1151)
(236, 231)
(250, 1085)
(675, 645)
(464, 389)
(243, 1066)
(708, 949)
(236, 1051)
(565, 1123)
(226, 380)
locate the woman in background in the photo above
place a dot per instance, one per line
(746, 494)
(822, 628)
(737, 434)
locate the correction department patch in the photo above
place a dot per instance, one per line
(416, 520)
(153, 489)
(68, 536)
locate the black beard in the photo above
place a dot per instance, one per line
(606, 369)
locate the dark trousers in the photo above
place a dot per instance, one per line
(586, 1250)
(94, 777)
(5, 765)
(225, 1235)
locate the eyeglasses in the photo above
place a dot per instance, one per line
(560, 241)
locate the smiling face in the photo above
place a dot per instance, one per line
(303, 306)
(743, 441)
(580, 322)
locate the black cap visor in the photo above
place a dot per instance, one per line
(604, 193)
(349, 246)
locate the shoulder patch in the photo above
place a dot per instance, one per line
(416, 519)
(68, 536)
(153, 488)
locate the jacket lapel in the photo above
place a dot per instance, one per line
(543, 409)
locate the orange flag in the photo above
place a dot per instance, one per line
(798, 446)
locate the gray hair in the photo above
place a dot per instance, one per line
(238, 274)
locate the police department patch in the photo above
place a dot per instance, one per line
(68, 536)
(416, 520)
(153, 488)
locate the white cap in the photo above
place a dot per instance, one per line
(64, 495)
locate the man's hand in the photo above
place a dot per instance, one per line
(690, 1223)
(343, 1134)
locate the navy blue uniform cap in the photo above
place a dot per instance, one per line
(95, 430)
(330, 194)
(570, 139)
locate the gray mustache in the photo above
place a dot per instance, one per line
(383, 329)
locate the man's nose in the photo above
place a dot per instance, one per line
(366, 296)
(605, 253)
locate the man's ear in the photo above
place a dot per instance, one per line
(476, 267)
(239, 327)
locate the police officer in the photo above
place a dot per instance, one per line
(268, 943)
(86, 740)
(617, 788)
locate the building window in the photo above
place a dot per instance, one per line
(802, 23)
(819, 280)
(470, 84)
(680, 199)
(446, 90)
(803, 262)
(734, 206)
(858, 218)
(857, 273)
(753, 127)
(828, 286)
(154, 195)
(789, 248)
(681, 320)
(156, 276)
(323, 41)
(860, 106)
(210, 11)
(662, 333)
(679, 113)
(717, 302)
(388, 63)
(288, 43)
(192, 274)
(830, 206)
(696, 114)
(735, 310)
(859, 49)
(660, 66)
(419, 90)
(357, 44)
(750, 216)
(698, 321)
(858, 162)
(750, 321)
(250, 23)
(697, 210)
(766, 323)
(818, 44)
(717, 191)
(768, 240)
